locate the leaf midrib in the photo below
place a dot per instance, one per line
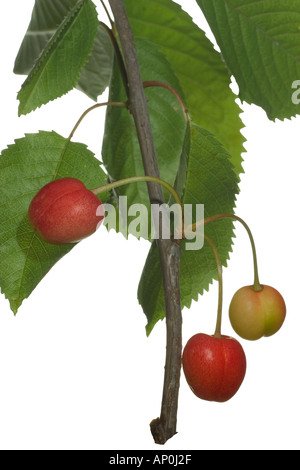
(40, 32)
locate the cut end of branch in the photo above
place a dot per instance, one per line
(159, 432)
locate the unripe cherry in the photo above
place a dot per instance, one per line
(65, 211)
(257, 313)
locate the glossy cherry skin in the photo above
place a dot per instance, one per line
(65, 211)
(254, 314)
(214, 367)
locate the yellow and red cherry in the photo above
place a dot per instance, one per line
(255, 313)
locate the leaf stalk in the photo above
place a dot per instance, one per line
(167, 86)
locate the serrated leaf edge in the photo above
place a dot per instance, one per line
(46, 53)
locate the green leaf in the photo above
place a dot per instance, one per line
(96, 74)
(59, 67)
(25, 167)
(121, 151)
(260, 42)
(46, 16)
(199, 67)
(210, 180)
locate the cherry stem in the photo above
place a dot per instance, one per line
(256, 285)
(98, 105)
(217, 333)
(156, 83)
(136, 179)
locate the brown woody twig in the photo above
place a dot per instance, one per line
(163, 427)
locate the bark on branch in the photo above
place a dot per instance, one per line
(163, 427)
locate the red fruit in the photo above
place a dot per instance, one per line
(65, 211)
(214, 367)
(254, 314)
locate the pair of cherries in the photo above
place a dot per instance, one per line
(65, 211)
(215, 366)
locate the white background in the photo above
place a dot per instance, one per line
(76, 368)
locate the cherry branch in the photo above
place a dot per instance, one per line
(163, 427)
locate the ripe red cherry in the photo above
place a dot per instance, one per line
(65, 211)
(214, 367)
(254, 314)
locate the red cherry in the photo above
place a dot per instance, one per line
(214, 367)
(65, 211)
(254, 314)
